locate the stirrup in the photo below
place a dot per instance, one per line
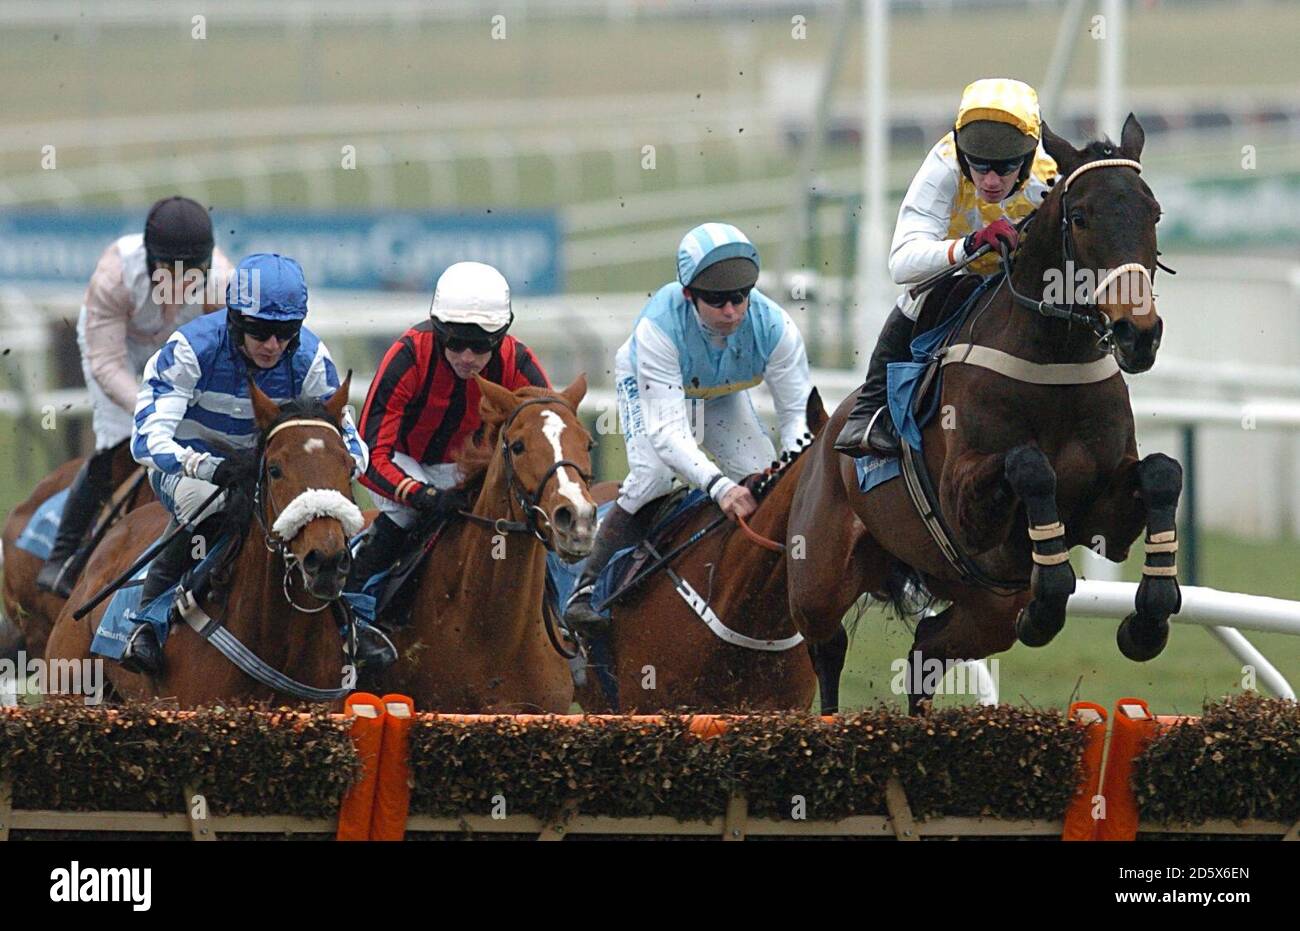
(858, 446)
(382, 652)
(136, 663)
(51, 578)
(893, 447)
(579, 613)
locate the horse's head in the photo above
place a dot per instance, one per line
(304, 492)
(545, 452)
(1107, 217)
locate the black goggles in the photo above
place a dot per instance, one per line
(1002, 169)
(722, 298)
(459, 344)
(262, 330)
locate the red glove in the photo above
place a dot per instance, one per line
(991, 234)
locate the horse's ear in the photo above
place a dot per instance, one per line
(815, 412)
(574, 394)
(264, 409)
(1066, 156)
(1131, 139)
(496, 402)
(339, 399)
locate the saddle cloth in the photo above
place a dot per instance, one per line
(38, 536)
(124, 610)
(910, 413)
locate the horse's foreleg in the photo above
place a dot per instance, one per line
(828, 662)
(1030, 475)
(1143, 634)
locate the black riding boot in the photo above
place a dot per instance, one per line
(378, 550)
(618, 530)
(143, 651)
(87, 494)
(869, 428)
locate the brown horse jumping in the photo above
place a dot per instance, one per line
(476, 641)
(1025, 466)
(279, 614)
(665, 657)
(29, 613)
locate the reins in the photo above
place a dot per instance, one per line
(1092, 318)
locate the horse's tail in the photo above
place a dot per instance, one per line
(905, 593)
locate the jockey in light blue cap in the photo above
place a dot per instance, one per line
(699, 344)
(194, 424)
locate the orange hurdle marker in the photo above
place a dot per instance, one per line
(393, 789)
(1079, 822)
(367, 712)
(1132, 728)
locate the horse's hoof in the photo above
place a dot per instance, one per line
(1141, 642)
(1032, 631)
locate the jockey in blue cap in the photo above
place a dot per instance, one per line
(194, 425)
(698, 345)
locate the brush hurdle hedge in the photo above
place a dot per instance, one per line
(1240, 760)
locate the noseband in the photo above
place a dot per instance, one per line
(1093, 318)
(274, 541)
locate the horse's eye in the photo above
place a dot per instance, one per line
(591, 444)
(517, 447)
(1076, 217)
(274, 471)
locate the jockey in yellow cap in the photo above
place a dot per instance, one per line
(977, 181)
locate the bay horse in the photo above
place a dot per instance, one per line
(29, 612)
(1025, 466)
(664, 655)
(476, 640)
(273, 591)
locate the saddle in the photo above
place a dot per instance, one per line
(947, 300)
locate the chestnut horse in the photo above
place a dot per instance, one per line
(1025, 467)
(666, 657)
(476, 640)
(304, 492)
(29, 613)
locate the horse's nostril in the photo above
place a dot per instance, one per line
(562, 519)
(311, 562)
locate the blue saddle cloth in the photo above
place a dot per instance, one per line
(124, 610)
(564, 576)
(363, 602)
(562, 579)
(904, 380)
(38, 536)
